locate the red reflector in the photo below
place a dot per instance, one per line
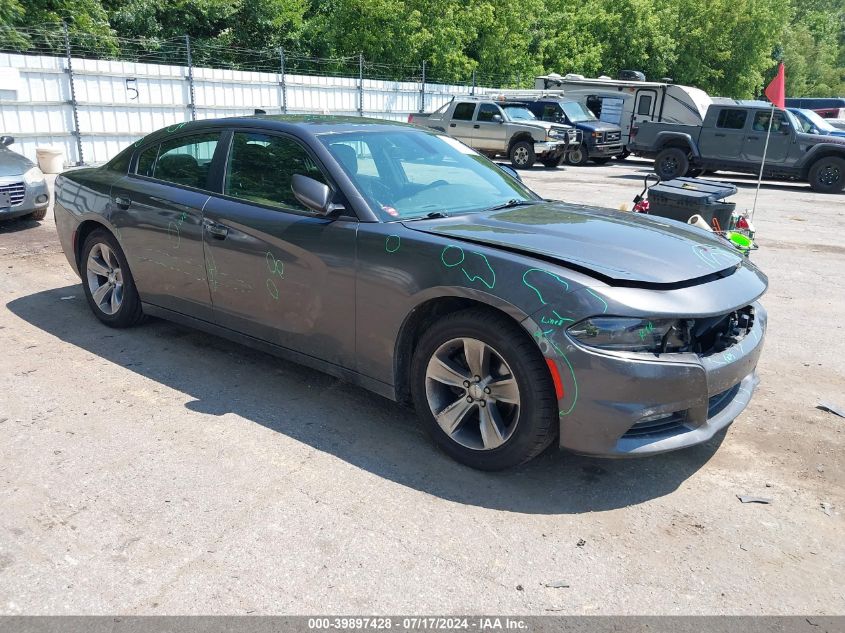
(555, 378)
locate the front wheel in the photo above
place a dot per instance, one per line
(601, 160)
(578, 156)
(522, 155)
(671, 163)
(37, 215)
(827, 175)
(551, 163)
(107, 281)
(483, 391)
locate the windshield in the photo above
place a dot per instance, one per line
(519, 113)
(816, 121)
(408, 173)
(576, 112)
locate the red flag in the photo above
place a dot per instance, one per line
(776, 91)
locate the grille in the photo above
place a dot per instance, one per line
(16, 191)
(612, 136)
(675, 422)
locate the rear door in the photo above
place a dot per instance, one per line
(277, 271)
(487, 134)
(780, 138)
(157, 211)
(460, 127)
(723, 142)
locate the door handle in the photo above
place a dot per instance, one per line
(219, 231)
(452, 125)
(122, 202)
(753, 138)
(476, 126)
(719, 135)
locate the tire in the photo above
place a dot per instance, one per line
(578, 156)
(524, 429)
(37, 215)
(102, 250)
(522, 155)
(552, 163)
(827, 175)
(601, 160)
(625, 153)
(694, 173)
(671, 163)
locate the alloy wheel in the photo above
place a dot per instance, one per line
(520, 156)
(830, 175)
(105, 279)
(472, 393)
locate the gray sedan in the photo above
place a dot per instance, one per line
(23, 190)
(403, 261)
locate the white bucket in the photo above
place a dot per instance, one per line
(698, 221)
(50, 159)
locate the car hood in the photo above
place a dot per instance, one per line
(13, 164)
(599, 126)
(619, 248)
(815, 139)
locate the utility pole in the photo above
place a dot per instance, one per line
(192, 105)
(73, 104)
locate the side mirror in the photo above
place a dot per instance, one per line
(5, 141)
(497, 118)
(314, 195)
(510, 171)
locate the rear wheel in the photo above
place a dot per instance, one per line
(671, 163)
(483, 391)
(107, 281)
(601, 160)
(578, 156)
(522, 155)
(827, 175)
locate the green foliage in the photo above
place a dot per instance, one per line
(726, 47)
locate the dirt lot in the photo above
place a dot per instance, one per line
(160, 470)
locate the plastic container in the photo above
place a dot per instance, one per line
(682, 198)
(50, 159)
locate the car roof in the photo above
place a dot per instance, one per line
(314, 124)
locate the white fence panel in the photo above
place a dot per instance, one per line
(118, 102)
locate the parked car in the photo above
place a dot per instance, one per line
(825, 107)
(495, 128)
(401, 260)
(733, 137)
(601, 140)
(812, 123)
(23, 190)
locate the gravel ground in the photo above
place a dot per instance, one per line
(159, 470)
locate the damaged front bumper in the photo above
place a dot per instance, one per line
(629, 404)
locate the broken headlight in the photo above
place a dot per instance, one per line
(632, 335)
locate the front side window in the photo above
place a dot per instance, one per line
(761, 122)
(183, 161)
(551, 112)
(464, 112)
(260, 169)
(576, 112)
(731, 119)
(487, 111)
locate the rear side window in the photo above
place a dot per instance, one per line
(120, 163)
(464, 111)
(183, 161)
(487, 111)
(731, 119)
(261, 168)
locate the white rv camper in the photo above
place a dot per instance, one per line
(625, 102)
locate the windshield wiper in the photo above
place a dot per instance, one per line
(510, 204)
(433, 215)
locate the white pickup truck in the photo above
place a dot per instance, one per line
(497, 128)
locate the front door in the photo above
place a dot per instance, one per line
(487, 134)
(277, 271)
(780, 138)
(157, 212)
(723, 142)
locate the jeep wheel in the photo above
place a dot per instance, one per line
(671, 163)
(578, 156)
(522, 155)
(827, 175)
(551, 163)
